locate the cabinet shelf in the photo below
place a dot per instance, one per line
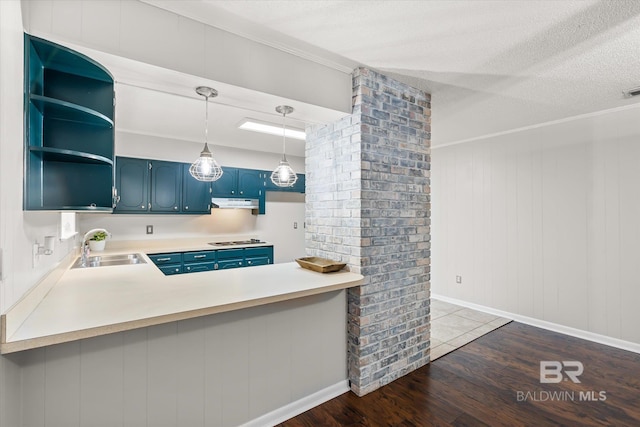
(63, 110)
(62, 155)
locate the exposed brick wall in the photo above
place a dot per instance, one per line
(368, 205)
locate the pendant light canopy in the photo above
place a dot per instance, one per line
(205, 168)
(283, 175)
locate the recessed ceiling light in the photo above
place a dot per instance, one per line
(270, 128)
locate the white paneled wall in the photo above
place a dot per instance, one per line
(219, 370)
(544, 223)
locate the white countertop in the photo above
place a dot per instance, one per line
(86, 302)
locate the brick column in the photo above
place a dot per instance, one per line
(367, 194)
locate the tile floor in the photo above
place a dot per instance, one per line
(453, 326)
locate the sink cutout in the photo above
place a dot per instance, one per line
(109, 260)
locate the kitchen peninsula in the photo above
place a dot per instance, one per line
(87, 302)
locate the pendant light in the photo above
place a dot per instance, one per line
(205, 168)
(283, 175)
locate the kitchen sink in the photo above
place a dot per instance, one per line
(109, 260)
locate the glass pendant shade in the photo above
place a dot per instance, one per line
(205, 168)
(283, 175)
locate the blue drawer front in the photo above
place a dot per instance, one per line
(162, 259)
(259, 252)
(171, 269)
(199, 266)
(263, 260)
(230, 253)
(201, 256)
(230, 263)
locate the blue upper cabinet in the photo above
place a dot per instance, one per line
(154, 186)
(250, 183)
(227, 184)
(69, 130)
(196, 195)
(132, 185)
(240, 183)
(166, 186)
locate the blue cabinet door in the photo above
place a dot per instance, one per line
(227, 184)
(166, 186)
(132, 184)
(250, 183)
(197, 267)
(250, 262)
(196, 195)
(230, 263)
(171, 269)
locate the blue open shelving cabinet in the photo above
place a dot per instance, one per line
(69, 130)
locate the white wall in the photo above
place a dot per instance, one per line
(543, 222)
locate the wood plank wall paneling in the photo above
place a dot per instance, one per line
(218, 370)
(544, 223)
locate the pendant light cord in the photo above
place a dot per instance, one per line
(284, 138)
(206, 120)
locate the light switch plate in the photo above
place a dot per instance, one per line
(149, 229)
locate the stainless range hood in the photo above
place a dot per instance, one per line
(231, 203)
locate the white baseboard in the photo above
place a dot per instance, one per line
(578, 333)
(299, 406)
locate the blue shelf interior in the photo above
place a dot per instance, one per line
(69, 130)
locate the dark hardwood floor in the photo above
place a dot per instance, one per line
(495, 381)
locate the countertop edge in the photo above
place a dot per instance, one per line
(37, 342)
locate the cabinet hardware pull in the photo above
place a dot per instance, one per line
(163, 259)
(199, 256)
(186, 208)
(175, 208)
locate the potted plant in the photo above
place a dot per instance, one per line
(98, 241)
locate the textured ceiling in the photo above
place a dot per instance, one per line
(491, 66)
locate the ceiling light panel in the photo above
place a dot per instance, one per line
(271, 129)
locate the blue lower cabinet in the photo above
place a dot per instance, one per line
(251, 262)
(230, 258)
(221, 259)
(171, 269)
(166, 259)
(262, 255)
(230, 263)
(200, 256)
(198, 267)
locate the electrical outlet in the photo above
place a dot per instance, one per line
(295, 225)
(149, 229)
(458, 279)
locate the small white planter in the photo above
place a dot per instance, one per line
(97, 246)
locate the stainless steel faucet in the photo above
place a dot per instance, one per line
(84, 246)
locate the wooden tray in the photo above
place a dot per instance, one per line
(321, 265)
